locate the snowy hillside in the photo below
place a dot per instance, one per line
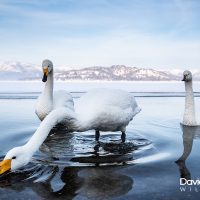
(25, 71)
(19, 71)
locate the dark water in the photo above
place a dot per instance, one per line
(157, 152)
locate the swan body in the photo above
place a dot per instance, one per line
(99, 110)
(189, 118)
(106, 109)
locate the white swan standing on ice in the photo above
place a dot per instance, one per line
(101, 110)
(189, 118)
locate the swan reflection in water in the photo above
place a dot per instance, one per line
(189, 133)
(69, 182)
(68, 165)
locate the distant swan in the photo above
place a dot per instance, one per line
(189, 118)
(100, 110)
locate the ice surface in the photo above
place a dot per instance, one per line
(37, 86)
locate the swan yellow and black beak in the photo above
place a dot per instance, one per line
(5, 166)
(184, 78)
(46, 72)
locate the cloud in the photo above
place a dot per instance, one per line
(84, 32)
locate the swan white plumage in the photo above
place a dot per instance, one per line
(50, 100)
(189, 118)
(106, 110)
(101, 110)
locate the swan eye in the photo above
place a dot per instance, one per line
(14, 157)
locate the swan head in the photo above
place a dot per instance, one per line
(14, 159)
(187, 76)
(47, 67)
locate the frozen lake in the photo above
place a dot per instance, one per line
(73, 166)
(31, 90)
(135, 86)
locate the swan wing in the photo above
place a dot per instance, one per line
(61, 98)
(105, 97)
(107, 109)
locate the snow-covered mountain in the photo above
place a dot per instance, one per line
(24, 71)
(115, 72)
(12, 70)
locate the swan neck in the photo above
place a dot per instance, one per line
(48, 90)
(38, 138)
(189, 115)
(55, 117)
(189, 86)
(189, 100)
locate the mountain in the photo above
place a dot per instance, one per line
(24, 71)
(11, 70)
(115, 72)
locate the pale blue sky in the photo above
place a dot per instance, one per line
(78, 33)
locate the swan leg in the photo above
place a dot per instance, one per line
(123, 136)
(97, 135)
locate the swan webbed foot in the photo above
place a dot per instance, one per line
(97, 135)
(123, 136)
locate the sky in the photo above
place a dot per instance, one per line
(162, 34)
